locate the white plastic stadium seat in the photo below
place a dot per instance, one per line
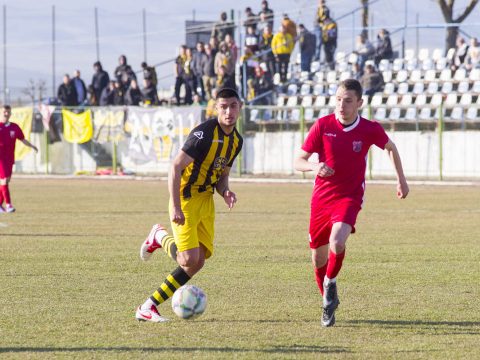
(281, 101)
(427, 64)
(342, 66)
(463, 86)
(384, 65)
(437, 113)
(253, 115)
(315, 66)
(446, 75)
(406, 100)
(394, 114)
(432, 88)
(318, 89)
(292, 101)
(411, 114)
(418, 88)
(276, 79)
(430, 75)
(420, 100)
(332, 77)
(474, 75)
(332, 101)
(380, 114)
(402, 75)
(460, 74)
(472, 113)
(345, 75)
(389, 88)
(450, 54)
(352, 58)
(332, 89)
(409, 54)
(340, 56)
(392, 100)
(415, 75)
(451, 100)
(324, 112)
(318, 77)
(441, 63)
(425, 114)
(295, 116)
(305, 89)
(304, 76)
(387, 75)
(320, 101)
(447, 87)
(397, 64)
(377, 100)
(457, 113)
(307, 100)
(309, 114)
(402, 88)
(423, 54)
(365, 112)
(476, 87)
(466, 100)
(365, 100)
(412, 64)
(437, 54)
(436, 100)
(292, 89)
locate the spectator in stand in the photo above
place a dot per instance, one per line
(66, 94)
(209, 71)
(198, 61)
(460, 55)
(282, 47)
(330, 34)
(472, 60)
(364, 49)
(210, 110)
(357, 73)
(224, 80)
(248, 62)
(149, 73)
(269, 16)
(179, 70)
(319, 19)
(149, 94)
(222, 28)
(213, 44)
(232, 47)
(92, 99)
(307, 42)
(100, 80)
(265, 46)
(133, 95)
(251, 19)
(262, 24)
(224, 58)
(262, 83)
(188, 76)
(372, 81)
(124, 73)
(383, 49)
(251, 40)
(80, 88)
(290, 26)
(106, 98)
(118, 94)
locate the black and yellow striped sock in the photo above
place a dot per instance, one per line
(168, 244)
(174, 280)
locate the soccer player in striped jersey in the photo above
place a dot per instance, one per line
(201, 167)
(342, 141)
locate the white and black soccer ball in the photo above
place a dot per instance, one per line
(189, 301)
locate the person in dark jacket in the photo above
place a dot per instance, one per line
(209, 70)
(383, 49)
(106, 98)
(80, 88)
(66, 93)
(262, 83)
(133, 95)
(198, 60)
(149, 93)
(124, 73)
(307, 42)
(100, 80)
(150, 73)
(118, 94)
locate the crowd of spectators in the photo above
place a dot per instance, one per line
(121, 89)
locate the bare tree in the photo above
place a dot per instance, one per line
(30, 90)
(447, 10)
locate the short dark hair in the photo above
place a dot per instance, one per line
(7, 107)
(144, 64)
(226, 93)
(352, 84)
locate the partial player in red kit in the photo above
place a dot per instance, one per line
(9, 134)
(342, 141)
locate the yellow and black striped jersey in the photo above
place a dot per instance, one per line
(212, 150)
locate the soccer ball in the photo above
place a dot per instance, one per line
(189, 302)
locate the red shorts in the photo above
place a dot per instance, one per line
(322, 217)
(5, 169)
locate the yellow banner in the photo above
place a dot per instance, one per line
(23, 118)
(77, 128)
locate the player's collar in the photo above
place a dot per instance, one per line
(351, 126)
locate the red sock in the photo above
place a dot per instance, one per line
(6, 193)
(334, 264)
(320, 276)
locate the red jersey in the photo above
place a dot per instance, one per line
(345, 150)
(9, 133)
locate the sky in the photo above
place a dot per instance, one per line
(29, 54)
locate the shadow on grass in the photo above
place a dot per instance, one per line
(464, 327)
(269, 350)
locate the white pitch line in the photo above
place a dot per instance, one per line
(3, 225)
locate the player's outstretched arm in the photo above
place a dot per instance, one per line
(302, 164)
(402, 186)
(181, 161)
(29, 144)
(223, 189)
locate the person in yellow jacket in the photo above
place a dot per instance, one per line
(282, 47)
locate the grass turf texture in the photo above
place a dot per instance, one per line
(71, 276)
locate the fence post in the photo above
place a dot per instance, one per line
(302, 131)
(47, 156)
(370, 156)
(440, 141)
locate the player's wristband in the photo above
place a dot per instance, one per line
(224, 191)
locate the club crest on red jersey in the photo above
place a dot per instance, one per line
(357, 146)
(12, 134)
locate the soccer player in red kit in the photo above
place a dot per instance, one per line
(9, 133)
(342, 141)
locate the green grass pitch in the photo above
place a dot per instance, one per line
(71, 276)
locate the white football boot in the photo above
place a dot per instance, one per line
(10, 208)
(151, 315)
(151, 244)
